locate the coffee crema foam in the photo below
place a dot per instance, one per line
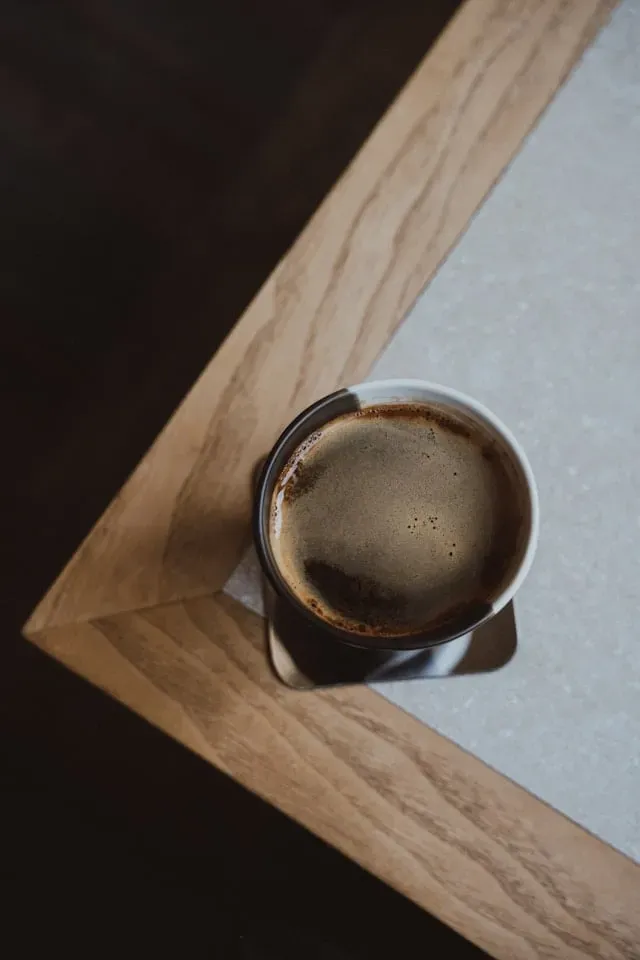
(397, 519)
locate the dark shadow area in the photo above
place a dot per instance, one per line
(156, 161)
(305, 655)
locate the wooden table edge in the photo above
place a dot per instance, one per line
(524, 882)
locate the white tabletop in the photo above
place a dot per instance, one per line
(537, 314)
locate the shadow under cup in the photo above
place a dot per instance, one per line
(389, 392)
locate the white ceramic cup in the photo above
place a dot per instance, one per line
(374, 394)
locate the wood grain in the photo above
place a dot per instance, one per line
(178, 526)
(486, 857)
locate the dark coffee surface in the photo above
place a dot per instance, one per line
(396, 520)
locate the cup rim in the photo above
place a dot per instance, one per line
(261, 512)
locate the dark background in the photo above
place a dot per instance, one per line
(156, 160)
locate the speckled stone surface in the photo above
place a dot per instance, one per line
(537, 314)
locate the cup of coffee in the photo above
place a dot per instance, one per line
(396, 514)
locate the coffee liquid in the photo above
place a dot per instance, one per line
(398, 519)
